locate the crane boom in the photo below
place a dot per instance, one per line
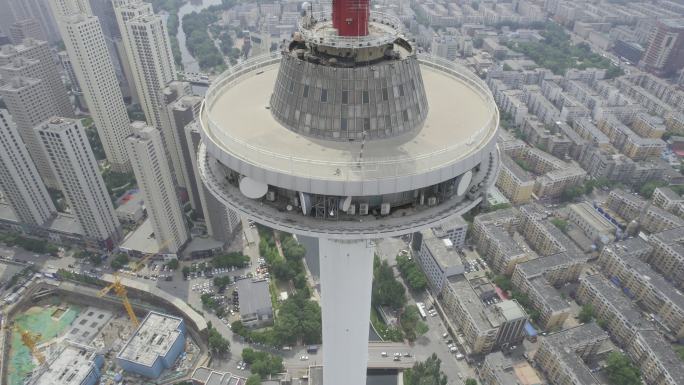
(120, 291)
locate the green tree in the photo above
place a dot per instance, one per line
(217, 344)
(470, 381)
(425, 373)
(560, 223)
(621, 371)
(120, 260)
(413, 275)
(411, 324)
(186, 271)
(261, 363)
(647, 189)
(586, 314)
(254, 379)
(173, 264)
(680, 351)
(387, 291)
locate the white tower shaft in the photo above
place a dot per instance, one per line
(346, 280)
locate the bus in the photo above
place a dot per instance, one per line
(421, 310)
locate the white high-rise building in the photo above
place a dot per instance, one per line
(153, 173)
(28, 100)
(90, 59)
(44, 69)
(149, 53)
(66, 145)
(19, 179)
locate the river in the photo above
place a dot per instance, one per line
(189, 62)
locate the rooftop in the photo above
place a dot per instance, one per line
(451, 132)
(502, 368)
(70, 367)
(542, 265)
(551, 297)
(616, 299)
(439, 251)
(254, 296)
(664, 354)
(153, 339)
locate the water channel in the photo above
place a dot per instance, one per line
(190, 64)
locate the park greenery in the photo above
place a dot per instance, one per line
(120, 260)
(222, 282)
(411, 272)
(298, 321)
(217, 344)
(261, 363)
(646, 190)
(29, 244)
(470, 381)
(237, 260)
(173, 264)
(286, 267)
(557, 53)
(586, 314)
(411, 324)
(621, 371)
(198, 41)
(425, 373)
(562, 224)
(118, 183)
(254, 379)
(387, 291)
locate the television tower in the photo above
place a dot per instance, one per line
(348, 135)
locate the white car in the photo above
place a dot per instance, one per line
(304, 358)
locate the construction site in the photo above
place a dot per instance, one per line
(111, 331)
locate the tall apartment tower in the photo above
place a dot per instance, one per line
(65, 142)
(665, 53)
(93, 67)
(221, 222)
(153, 173)
(180, 108)
(28, 101)
(19, 179)
(44, 70)
(149, 53)
(39, 10)
(27, 28)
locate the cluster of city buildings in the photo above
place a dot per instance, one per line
(112, 55)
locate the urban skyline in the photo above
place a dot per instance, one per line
(342, 192)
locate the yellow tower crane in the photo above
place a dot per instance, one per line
(120, 291)
(30, 340)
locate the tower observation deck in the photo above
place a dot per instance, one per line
(348, 135)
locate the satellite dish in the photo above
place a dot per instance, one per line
(289, 207)
(253, 189)
(344, 205)
(305, 202)
(464, 183)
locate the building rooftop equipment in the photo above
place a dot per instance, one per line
(153, 340)
(75, 364)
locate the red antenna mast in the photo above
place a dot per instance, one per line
(350, 17)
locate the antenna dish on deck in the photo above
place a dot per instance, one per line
(253, 189)
(464, 183)
(345, 204)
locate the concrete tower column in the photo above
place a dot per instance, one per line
(346, 280)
